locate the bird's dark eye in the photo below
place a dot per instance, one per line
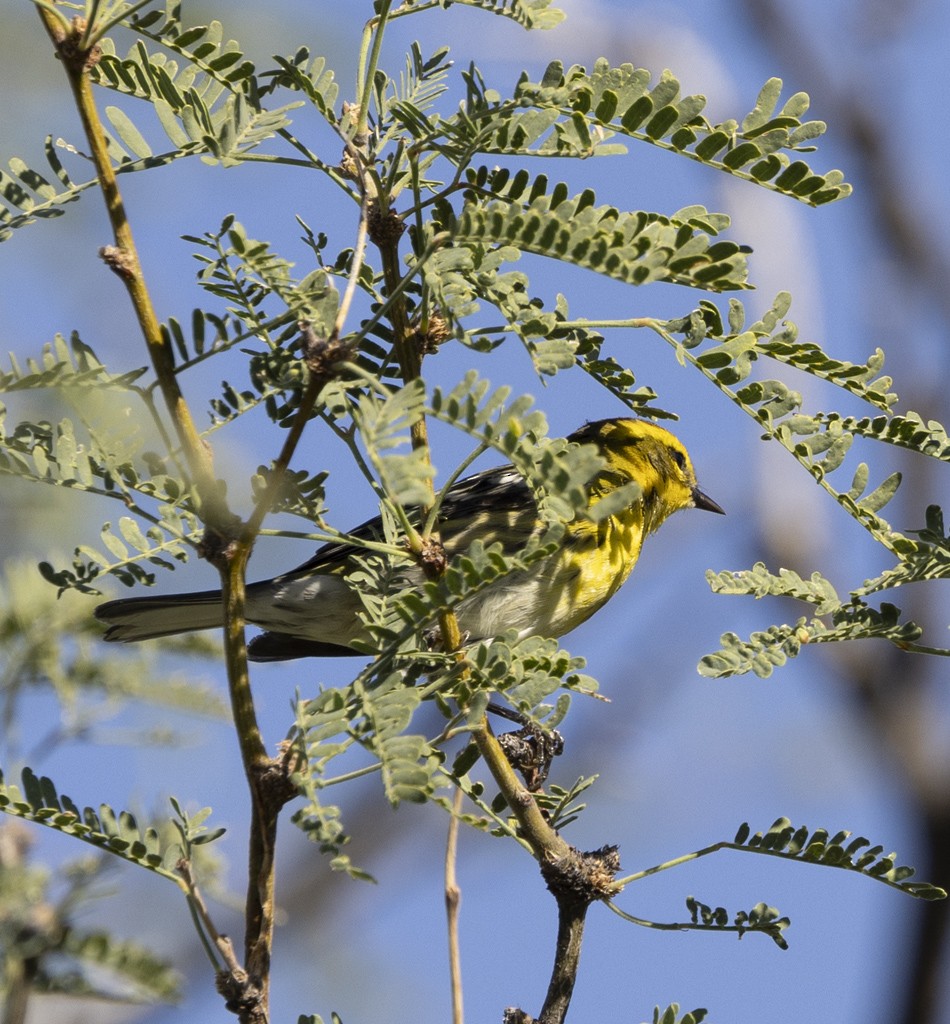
(679, 458)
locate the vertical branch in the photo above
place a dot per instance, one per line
(453, 899)
(78, 58)
(260, 881)
(17, 997)
(571, 915)
(269, 780)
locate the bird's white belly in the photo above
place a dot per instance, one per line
(529, 603)
(324, 607)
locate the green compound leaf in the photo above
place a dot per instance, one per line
(579, 111)
(759, 582)
(839, 851)
(137, 966)
(768, 649)
(64, 364)
(635, 248)
(761, 918)
(529, 14)
(27, 196)
(127, 551)
(117, 833)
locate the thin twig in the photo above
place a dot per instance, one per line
(315, 383)
(268, 782)
(453, 899)
(207, 930)
(356, 265)
(366, 70)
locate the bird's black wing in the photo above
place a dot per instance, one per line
(495, 500)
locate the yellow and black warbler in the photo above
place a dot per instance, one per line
(313, 611)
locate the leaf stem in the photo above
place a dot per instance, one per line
(676, 862)
(680, 926)
(320, 372)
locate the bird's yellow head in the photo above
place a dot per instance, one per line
(639, 451)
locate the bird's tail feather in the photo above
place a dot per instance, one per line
(144, 618)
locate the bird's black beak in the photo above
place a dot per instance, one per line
(706, 503)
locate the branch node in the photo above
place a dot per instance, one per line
(385, 228)
(513, 1015)
(77, 58)
(322, 355)
(351, 113)
(523, 798)
(348, 167)
(583, 878)
(274, 784)
(433, 558)
(219, 546)
(120, 261)
(241, 995)
(428, 341)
